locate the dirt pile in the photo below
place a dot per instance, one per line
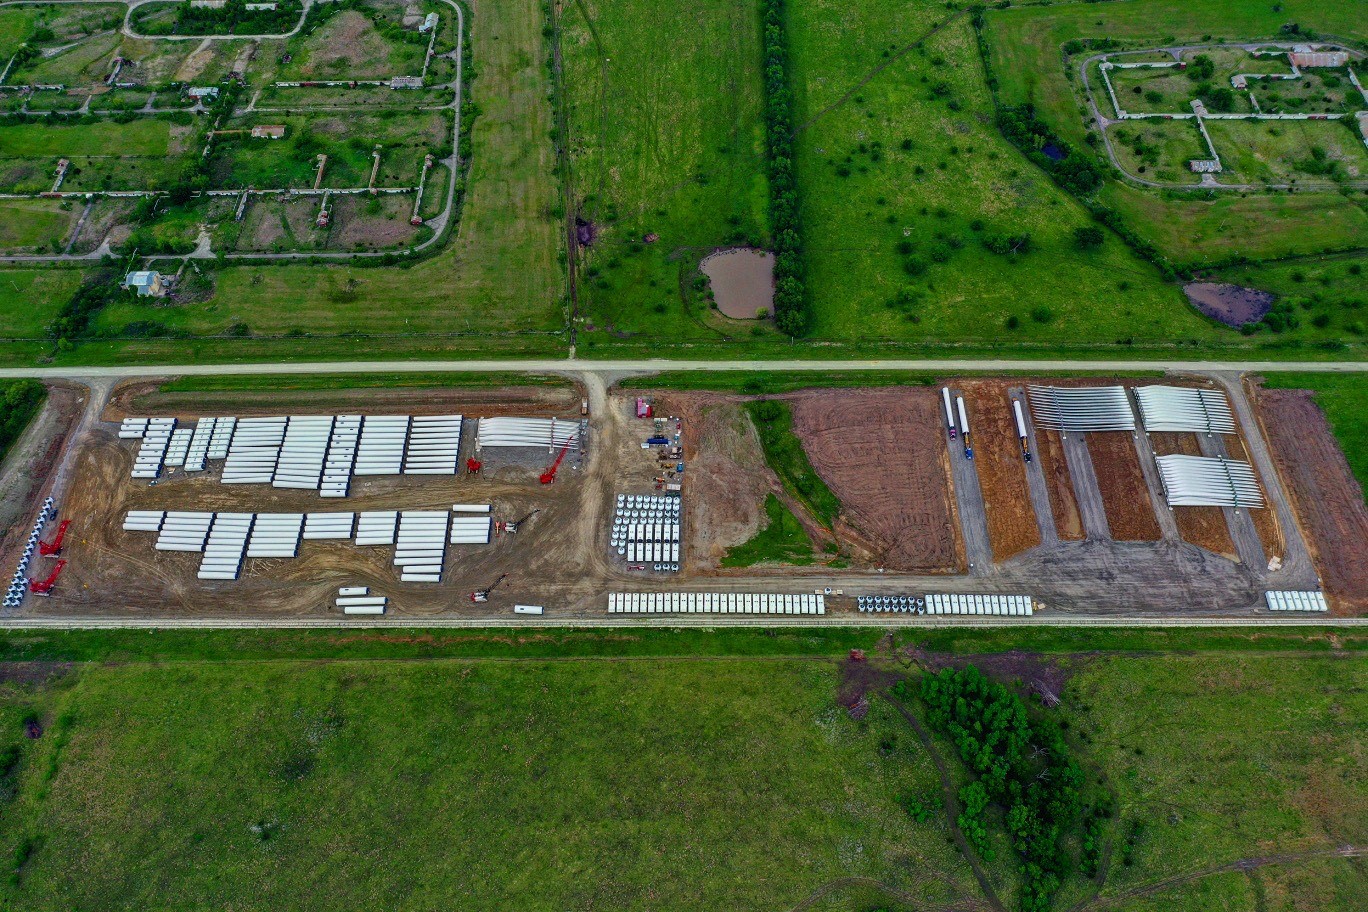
(1012, 526)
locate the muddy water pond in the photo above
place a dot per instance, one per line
(742, 281)
(1233, 305)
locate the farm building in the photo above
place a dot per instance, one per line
(148, 284)
(406, 82)
(1205, 165)
(268, 131)
(203, 93)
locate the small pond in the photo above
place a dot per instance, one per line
(1233, 305)
(742, 281)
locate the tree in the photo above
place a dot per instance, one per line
(1089, 237)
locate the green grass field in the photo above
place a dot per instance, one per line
(146, 137)
(691, 783)
(1344, 399)
(1327, 295)
(664, 110)
(1027, 59)
(906, 181)
(29, 224)
(783, 540)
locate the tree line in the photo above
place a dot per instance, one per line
(792, 314)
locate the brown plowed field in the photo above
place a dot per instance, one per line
(1012, 526)
(1204, 527)
(1325, 494)
(882, 452)
(1063, 502)
(1125, 497)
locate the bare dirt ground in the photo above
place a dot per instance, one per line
(1130, 513)
(1204, 527)
(347, 47)
(1012, 526)
(725, 481)
(355, 226)
(1063, 501)
(1325, 495)
(29, 465)
(883, 454)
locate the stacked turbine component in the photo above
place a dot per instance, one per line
(144, 520)
(302, 452)
(156, 437)
(552, 433)
(184, 531)
(222, 438)
(1081, 409)
(434, 446)
(14, 596)
(1180, 408)
(376, 527)
(318, 526)
(254, 451)
(226, 545)
(276, 535)
(1204, 481)
(197, 453)
(470, 524)
(358, 600)
(713, 603)
(178, 446)
(876, 604)
(381, 449)
(337, 470)
(421, 546)
(646, 529)
(1296, 601)
(132, 428)
(1013, 605)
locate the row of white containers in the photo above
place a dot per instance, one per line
(1005, 605)
(1289, 600)
(713, 603)
(650, 552)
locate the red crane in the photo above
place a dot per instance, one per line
(44, 587)
(550, 474)
(47, 549)
(473, 466)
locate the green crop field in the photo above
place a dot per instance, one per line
(664, 111)
(1026, 51)
(670, 781)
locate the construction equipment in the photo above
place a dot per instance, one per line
(473, 466)
(482, 595)
(47, 549)
(511, 527)
(44, 586)
(550, 474)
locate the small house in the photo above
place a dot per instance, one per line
(147, 284)
(268, 131)
(406, 82)
(203, 93)
(429, 23)
(1205, 165)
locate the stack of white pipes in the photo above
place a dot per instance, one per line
(421, 546)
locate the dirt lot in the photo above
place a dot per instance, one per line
(883, 454)
(371, 223)
(1130, 513)
(30, 463)
(1012, 526)
(1202, 526)
(1326, 496)
(1063, 501)
(726, 480)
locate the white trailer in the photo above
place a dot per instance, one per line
(1021, 430)
(949, 412)
(964, 427)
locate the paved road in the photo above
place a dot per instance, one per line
(550, 365)
(715, 620)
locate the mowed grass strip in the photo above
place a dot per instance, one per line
(664, 107)
(536, 786)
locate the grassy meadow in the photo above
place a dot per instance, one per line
(1025, 50)
(907, 182)
(670, 781)
(666, 140)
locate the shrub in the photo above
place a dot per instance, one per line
(1089, 237)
